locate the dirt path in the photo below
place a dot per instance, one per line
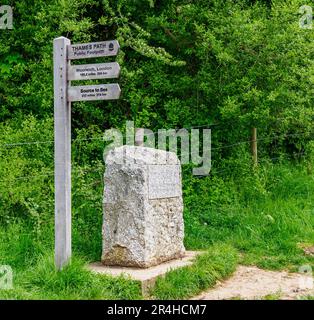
(255, 283)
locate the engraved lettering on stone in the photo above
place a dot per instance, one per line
(164, 182)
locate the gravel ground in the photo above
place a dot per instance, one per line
(254, 283)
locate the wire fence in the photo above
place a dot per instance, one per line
(285, 135)
(82, 171)
(101, 137)
(78, 170)
(208, 126)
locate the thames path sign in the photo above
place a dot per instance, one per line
(93, 50)
(64, 94)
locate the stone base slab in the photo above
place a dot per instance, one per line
(147, 277)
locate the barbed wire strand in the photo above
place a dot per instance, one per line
(26, 143)
(101, 170)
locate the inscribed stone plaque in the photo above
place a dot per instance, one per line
(164, 182)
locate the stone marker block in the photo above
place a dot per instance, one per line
(143, 208)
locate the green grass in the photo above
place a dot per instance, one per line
(266, 216)
(275, 296)
(42, 281)
(217, 263)
(259, 218)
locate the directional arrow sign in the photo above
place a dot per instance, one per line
(94, 71)
(109, 91)
(93, 50)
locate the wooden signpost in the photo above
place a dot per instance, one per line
(64, 94)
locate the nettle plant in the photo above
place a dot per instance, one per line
(6, 17)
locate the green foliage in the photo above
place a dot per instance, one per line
(26, 157)
(183, 63)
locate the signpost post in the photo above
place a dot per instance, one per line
(64, 94)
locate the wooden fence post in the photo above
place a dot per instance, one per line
(254, 146)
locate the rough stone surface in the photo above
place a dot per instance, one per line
(143, 207)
